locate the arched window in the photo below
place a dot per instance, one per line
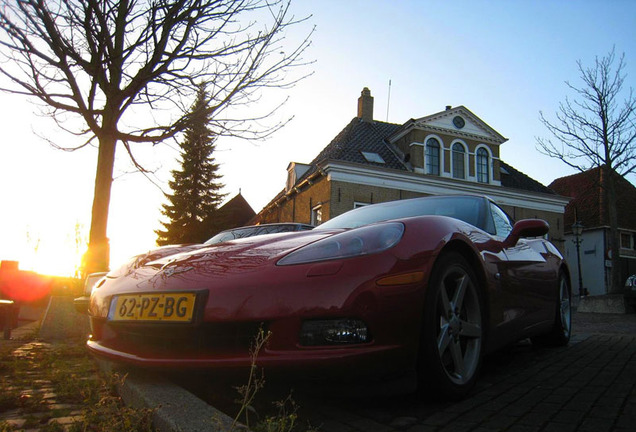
(459, 161)
(432, 156)
(483, 162)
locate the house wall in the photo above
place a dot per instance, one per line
(297, 207)
(405, 144)
(345, 195)
(592, 251)
(595, 275)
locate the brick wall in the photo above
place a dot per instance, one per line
(297, 208)
(344, 195)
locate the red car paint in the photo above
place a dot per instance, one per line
(242, 286)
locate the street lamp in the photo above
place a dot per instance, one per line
(577, 230)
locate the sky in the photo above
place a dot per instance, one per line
(506, 61)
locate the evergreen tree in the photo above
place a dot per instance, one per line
(195, 198)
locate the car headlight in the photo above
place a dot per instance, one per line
(366, 240)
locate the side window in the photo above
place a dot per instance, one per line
(459, 164)
(483, 162)
(316, 215)
(432, 157)
(503, 224)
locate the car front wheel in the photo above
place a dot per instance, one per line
(452, 334)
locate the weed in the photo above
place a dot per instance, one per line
(285, 418)
(255, 381)
(283, 421)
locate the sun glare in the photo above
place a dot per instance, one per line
(51, 257)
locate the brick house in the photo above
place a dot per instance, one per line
(587, 208)
(370, 161)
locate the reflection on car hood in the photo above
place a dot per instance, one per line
(141, 259)
(250, 253)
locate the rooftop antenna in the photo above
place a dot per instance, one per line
(388, 102)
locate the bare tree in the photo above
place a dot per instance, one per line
(598, 130)
(129, 69)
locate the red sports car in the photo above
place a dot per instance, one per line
(420, 288)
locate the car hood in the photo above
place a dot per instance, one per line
(140, 260)
(250, 253)
(236, 256)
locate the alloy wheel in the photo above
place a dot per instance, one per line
(459, 332)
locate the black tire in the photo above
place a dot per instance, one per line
(452, 335)
(561, 331)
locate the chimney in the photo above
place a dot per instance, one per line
(365, 106)
(448, 107)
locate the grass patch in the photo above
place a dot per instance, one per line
(40, 382)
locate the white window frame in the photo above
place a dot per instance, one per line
(316, 215)
(631, 240)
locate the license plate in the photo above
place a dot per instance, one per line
(171, 307)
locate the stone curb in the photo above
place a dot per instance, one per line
(175, 409)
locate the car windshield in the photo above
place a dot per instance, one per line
(229, 235)
(465, 208)
(255, 230)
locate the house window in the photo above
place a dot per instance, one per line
(483, 161)
(459, 161)
(432, 156)
(316, 215)
(626, 241)
(373, 157)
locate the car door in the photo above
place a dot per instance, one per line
(526, 277)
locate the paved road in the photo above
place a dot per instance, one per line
(589, 385)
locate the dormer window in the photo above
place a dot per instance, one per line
(483, 163)
(432, 157)
(373, 157)
(295, 171)
(459, 161)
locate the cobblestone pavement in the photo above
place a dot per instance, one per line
(590, 385)
(32, 401)
(54, 385)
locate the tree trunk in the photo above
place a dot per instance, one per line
(97, 258)
(615, 272)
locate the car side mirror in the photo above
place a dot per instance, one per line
(526, 228)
